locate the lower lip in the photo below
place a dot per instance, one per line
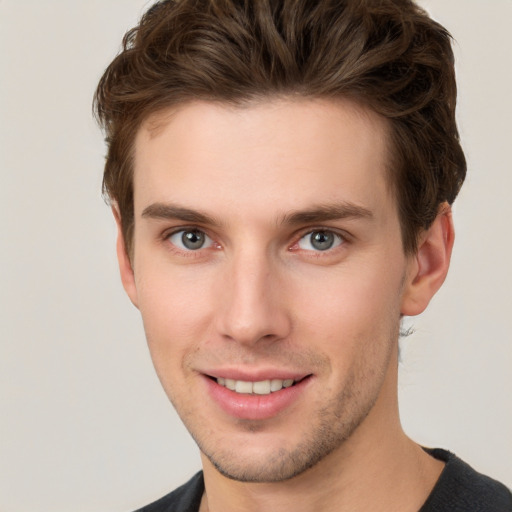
(252, 406)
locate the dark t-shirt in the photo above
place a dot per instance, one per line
(459, 489)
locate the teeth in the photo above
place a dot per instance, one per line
(243, 387)
(263, 387)
(276, 384)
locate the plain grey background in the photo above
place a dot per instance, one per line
(84, 425)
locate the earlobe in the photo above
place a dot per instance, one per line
(429, 266)
(125, 265)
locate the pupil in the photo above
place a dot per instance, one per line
(193, 239)
(322, 240)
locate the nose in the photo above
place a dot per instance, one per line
(253, 307)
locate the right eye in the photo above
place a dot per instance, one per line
(190, 239)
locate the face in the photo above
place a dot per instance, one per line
(269, 271)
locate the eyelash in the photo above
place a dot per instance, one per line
(166, 237)
(341, 240)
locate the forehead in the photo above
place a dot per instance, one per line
(276, 154)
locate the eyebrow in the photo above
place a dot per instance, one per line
(326, 212)
(169, 211)
(317, 214)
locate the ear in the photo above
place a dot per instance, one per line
(429, 266)
(125, 265)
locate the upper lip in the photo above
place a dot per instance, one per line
(255, 375)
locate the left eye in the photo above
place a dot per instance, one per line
(190, 239)
(320, 240)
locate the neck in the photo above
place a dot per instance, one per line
(377, 468)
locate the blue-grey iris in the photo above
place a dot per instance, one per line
(322, 240)
(193, 239)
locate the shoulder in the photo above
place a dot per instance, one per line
(462, 489)
(186, 498)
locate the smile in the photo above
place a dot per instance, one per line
(262, 387)
(258, 399)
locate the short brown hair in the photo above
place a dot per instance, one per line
(387, 55)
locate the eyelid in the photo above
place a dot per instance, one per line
(341, 234)
(166, 236)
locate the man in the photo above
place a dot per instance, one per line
(281, 173)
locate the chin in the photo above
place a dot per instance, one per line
(262, 464)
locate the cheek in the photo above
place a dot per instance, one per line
(176, 310)
(351, 317)
(351, 299)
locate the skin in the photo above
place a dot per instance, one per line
(258, 297)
